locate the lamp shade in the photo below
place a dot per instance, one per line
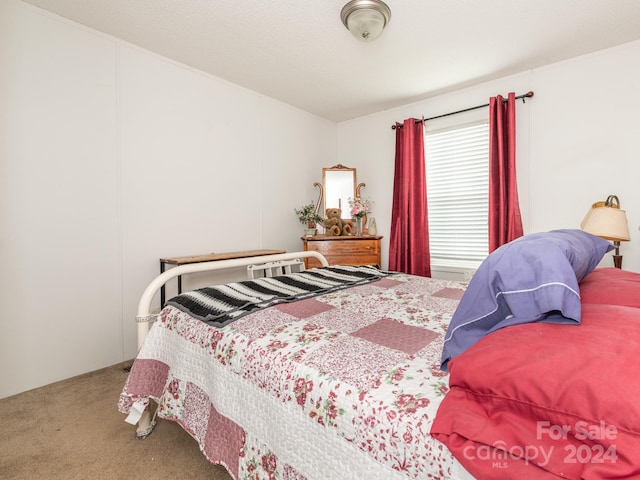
(609, 222)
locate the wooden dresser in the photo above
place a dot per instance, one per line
(344, 250)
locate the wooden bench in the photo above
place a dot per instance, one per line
(209, 257)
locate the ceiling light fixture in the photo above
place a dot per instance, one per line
(365, 19)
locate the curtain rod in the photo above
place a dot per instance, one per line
(523, 96)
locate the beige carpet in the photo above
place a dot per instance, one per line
(73, 430)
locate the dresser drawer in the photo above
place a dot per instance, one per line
(344, 250)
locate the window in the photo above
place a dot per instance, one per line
(458, 195)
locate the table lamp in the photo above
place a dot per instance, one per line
(608, 221)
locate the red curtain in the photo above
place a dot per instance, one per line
(505, 223)
(409, 241)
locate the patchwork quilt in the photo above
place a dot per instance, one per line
(341, 385)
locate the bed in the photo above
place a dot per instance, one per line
(381, 379)
(343, 384)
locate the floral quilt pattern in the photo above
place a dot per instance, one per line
(360, 364)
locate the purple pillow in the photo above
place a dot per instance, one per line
(533, 278)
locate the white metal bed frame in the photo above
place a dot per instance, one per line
(270, 264)
(272, 269)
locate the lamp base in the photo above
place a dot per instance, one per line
(617, 261)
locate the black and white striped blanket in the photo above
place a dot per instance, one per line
(222, 304)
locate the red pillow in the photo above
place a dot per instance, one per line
(611, 286)
(545, 401)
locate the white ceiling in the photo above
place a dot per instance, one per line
(298, 51)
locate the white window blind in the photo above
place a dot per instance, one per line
(458, 195)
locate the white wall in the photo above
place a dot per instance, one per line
(577, 142)
(110, 158)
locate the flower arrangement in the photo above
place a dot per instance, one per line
(307, 215)
(359, 207)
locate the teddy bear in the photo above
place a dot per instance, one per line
(334, 225)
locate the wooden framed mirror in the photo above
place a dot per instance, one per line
(339, 183)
